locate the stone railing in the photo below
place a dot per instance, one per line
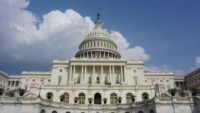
(182, 99)
(165, 99)
(35, 72)
(28, 99)
(10, 99)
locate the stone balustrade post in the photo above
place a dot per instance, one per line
(90, 108)
(104, 108)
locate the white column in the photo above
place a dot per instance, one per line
(113, 74)
(100, 54)
(110, 77)
(104, 56)
(179, 86)
(70, 75)
(87, 54)
(101, 73)
(85, 76)
(74, 73)
(14, 84)
(93, 80)
(125, 74)
(82, 74)
(10, 85)
(121, 77)
(91, 54)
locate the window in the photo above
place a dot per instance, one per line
(66, 100)
(167, 80)
(94, 44)
(91, 44)
(49, 80)
(128, 98)
(97, 71)
(33, 80)
(106, 80)
(60, 70)
(98, 44)
(41, 80)
(42, 111)
(26, 87)
(104, 44)
(160, 80)
(135, 81)
(113, 98)
(134, 71)
(78, 80)
(89, 71)
(117, 80)
(116, 71)
(90, 80)
(79, 70)
(59, 80)
(97, 79)
(105, 71)
(81, 98)
(145, 80)
(26, 79)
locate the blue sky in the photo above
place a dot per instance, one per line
(167, 30)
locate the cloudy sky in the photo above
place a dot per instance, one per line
(164, 34)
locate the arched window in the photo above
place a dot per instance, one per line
(107, 45)
(81, 97)
(140, 112)
(101, 44)
(113, 98)
(104, 44)
(88, 44)
(66, 100)
(68, 112)
(54, 112)
(128, 98)
(91, 44)
(94, 44)
(98, 44)
(151, 111)
(42, 111)
(145, 95)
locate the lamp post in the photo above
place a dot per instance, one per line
(41, 87)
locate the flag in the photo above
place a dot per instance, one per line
(96, 54)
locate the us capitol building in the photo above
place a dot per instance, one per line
(98, 71)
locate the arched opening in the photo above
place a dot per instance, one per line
(113, 98)
(127, 112)
(81, 97)
(42, 111)
(54, 112)
(66, 100)
(97, 98)
(68, 112)
(140, 112)
(128, 98)
(151, 111)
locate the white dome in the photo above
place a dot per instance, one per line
(98, 32)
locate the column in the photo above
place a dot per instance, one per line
(100, 54)
(70, 75)
(110, 77)
(113, 74)
(10, 85)
(14, 84)
(101, 73)
(124, 74)
(82, 74)
(85, 77)
(179, 86)
(93, 76)
(91, 54)
(104, 56)
(121, 77)
(74, 73)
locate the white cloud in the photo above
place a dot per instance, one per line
(197, 64)
(135, 53)
(57, 37)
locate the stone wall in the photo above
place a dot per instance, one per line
(155, 105)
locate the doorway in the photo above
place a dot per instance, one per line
(97, 98)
